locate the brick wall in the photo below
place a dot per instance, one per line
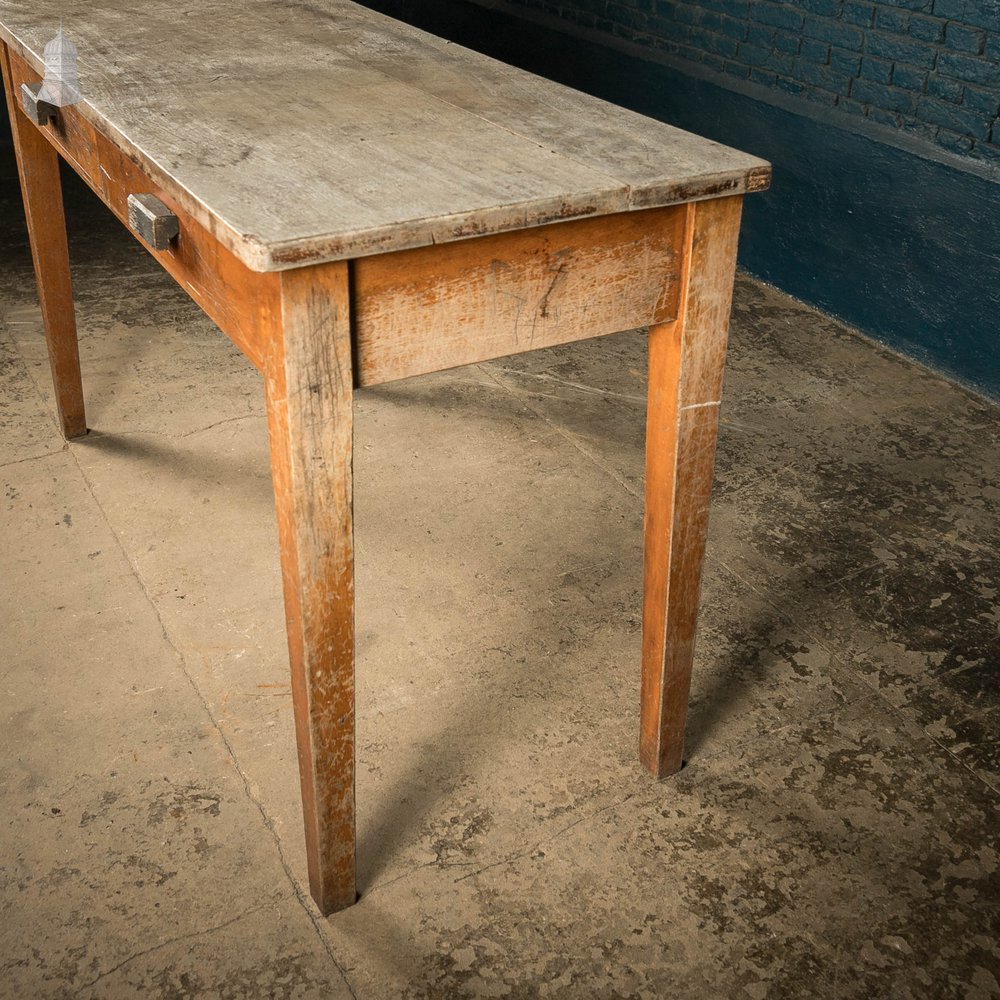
(927, 67)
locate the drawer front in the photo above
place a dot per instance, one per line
(242, 302)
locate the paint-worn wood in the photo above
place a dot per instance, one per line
(309, 412)
(41, 189)
(325, 130)
(686, 360)
(241, 301)
(601, 135)
(432, 308)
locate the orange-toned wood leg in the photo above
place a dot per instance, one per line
(686, 360)
(38, 168)
(308, 382)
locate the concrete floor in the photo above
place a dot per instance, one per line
(834, 834)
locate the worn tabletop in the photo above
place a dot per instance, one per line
(310, 131)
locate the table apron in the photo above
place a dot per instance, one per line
(436, 307)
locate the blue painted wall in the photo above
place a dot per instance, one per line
(902, 243)
(927, 68)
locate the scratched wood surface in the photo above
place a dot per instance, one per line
(304, 132)
(308, 387)
(686, 360)
(513, 292)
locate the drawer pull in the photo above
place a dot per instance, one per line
(152, 220)
(40, 112)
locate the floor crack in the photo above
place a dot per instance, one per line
(33, 458)
(509, 858)
(303, 898)
(570, 437)
(588, 389)
(165, 944)
(218, 423)
(551, 838)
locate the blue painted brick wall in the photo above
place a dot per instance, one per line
(930, 68)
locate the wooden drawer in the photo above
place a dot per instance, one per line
(242, 302)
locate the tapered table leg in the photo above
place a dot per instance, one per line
(308, 381)
(686, 360)
(38, 169)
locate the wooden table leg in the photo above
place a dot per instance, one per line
(308, 381)
(686, 359)
(38, 168)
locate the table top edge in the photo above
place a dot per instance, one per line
(263, 255)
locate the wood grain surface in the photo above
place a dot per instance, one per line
(432, 308)
(308, 387)
(300, 132)
(686, 359)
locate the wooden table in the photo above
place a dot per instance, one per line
(352, 201)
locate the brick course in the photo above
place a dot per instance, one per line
(930, 68)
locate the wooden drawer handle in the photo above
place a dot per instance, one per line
(40, 112)
(152, 220)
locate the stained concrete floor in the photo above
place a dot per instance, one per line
(834, 834)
